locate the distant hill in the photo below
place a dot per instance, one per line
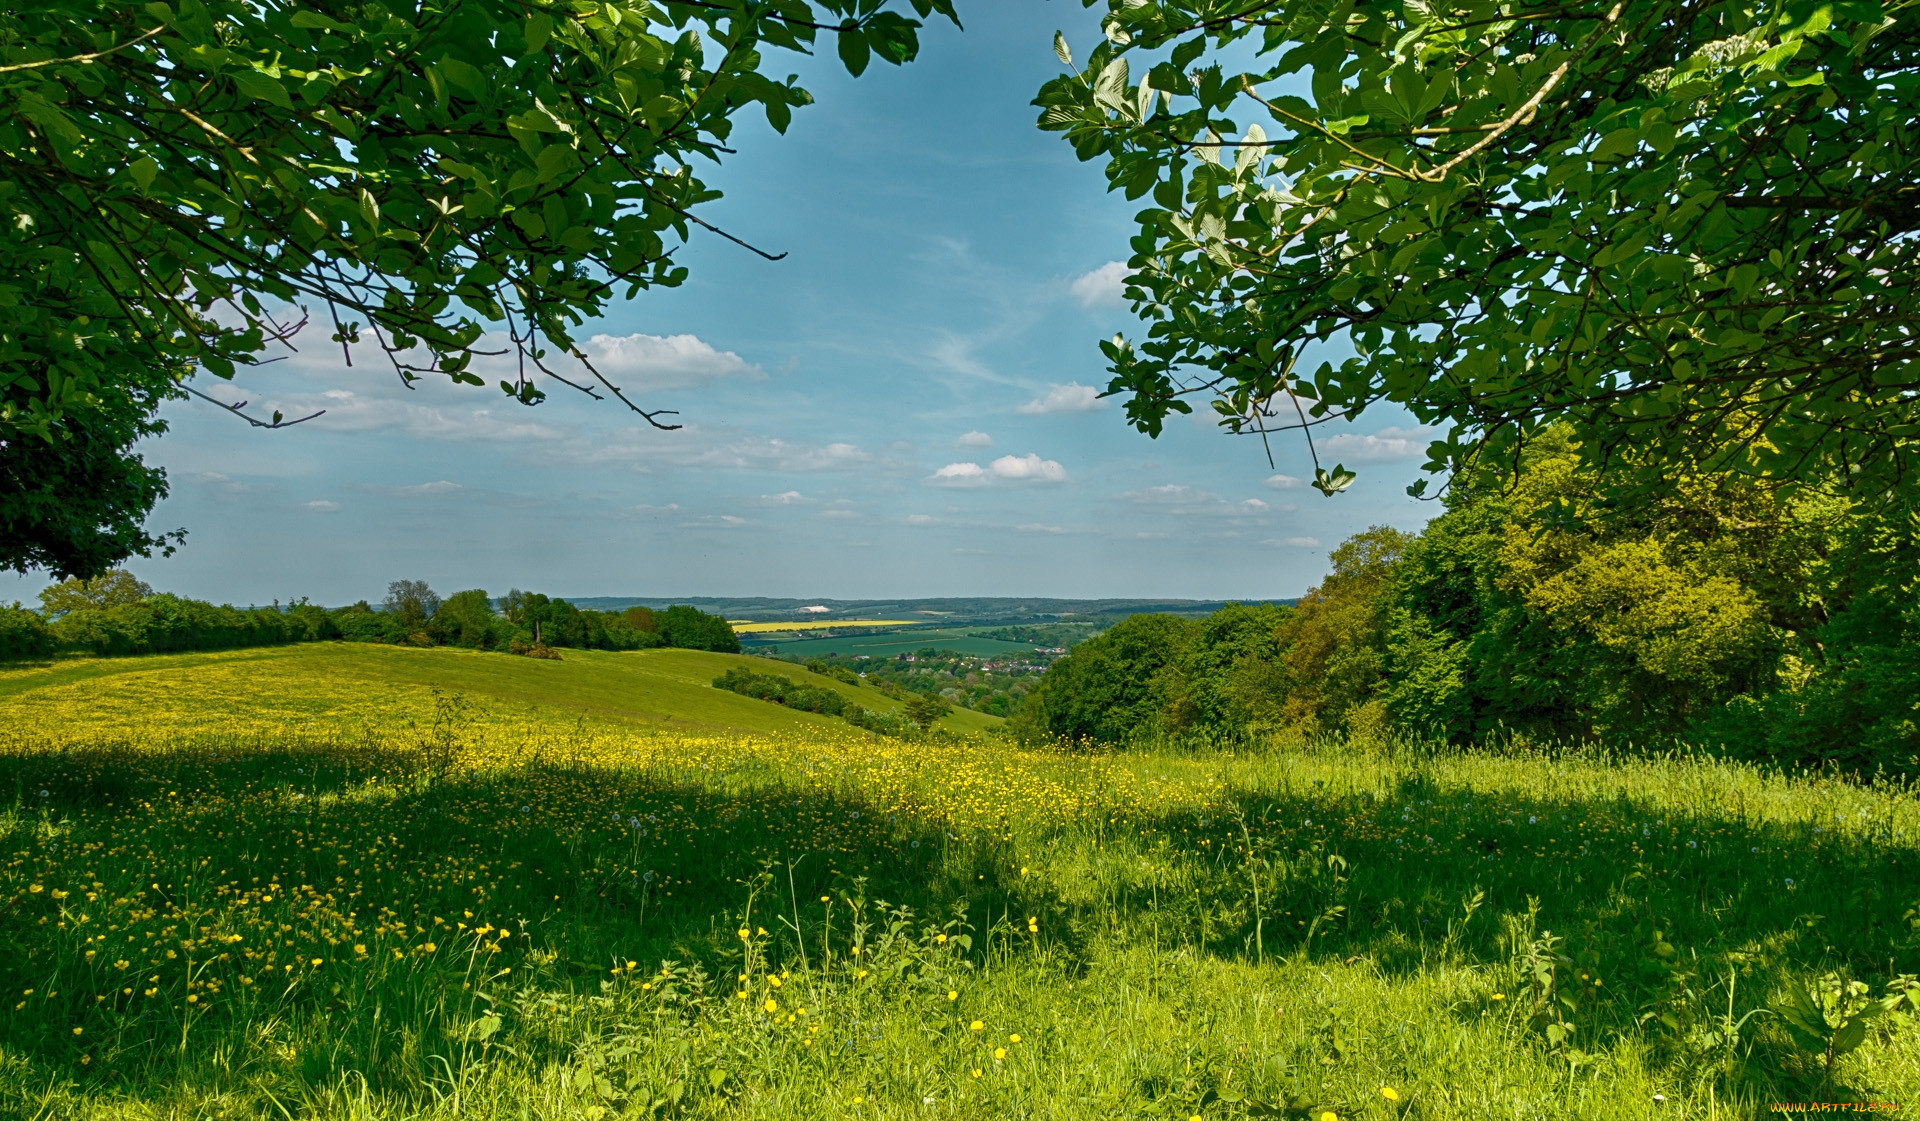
(968, 610)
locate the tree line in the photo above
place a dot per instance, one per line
(1721, 613)
(116, 614)
(919, 713)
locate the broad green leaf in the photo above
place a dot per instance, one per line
(854, 51)
(142, 171)
(539, 29)
(262, 88)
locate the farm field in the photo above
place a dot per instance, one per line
(749, 627)
(301, 883)
(960, 640)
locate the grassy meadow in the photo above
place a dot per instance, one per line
(368, 882)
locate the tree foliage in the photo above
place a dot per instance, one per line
(109, 589)
(447, 178)
(1109, 688)
(1717, 613)
(1685, 228)
(115, 614)
(74, 499)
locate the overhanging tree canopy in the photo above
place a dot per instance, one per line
(1685, 227)
(420, 172)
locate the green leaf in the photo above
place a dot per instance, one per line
(465, 77)
(142, 171)
(539, 28)
(316, 21)
(779, 114)
(259, 87)
(1061, 50)
(1332, 482)
(1849, 1036)
(853, 50)
(1616, 143)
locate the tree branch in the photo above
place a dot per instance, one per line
(235, 408)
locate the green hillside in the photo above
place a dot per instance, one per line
(327, 684)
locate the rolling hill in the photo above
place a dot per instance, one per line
(334, 685)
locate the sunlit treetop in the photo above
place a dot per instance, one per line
(1685, 228)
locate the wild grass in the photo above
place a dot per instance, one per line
(461, 919)
(326, 689)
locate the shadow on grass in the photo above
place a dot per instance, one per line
(129, 871)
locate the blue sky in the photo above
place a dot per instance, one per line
(898, 408)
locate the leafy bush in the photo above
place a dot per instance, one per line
(24, 634)
(361, 623)
(781, 691)
(1109, 688)
(468, 619)
(166, 623)
(828, 702)
(692, 629)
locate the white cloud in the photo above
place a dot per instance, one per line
(1296, 542)
(1282, 482)
(639, 363)
(786, 498)
(322, 506)
(921, 519)
(417, 490)
(1171, 494)
(1388, 443)
(229, 486)
(718, 521)
(1103, 287)
(1037, 527)
(959, 475)
(645, 448)
(1029, 468)
(837, 514)
(1185, 501)
(1069, 398)
(974, 440)
(793, 458)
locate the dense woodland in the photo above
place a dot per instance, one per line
(1714, 613)
(117, 614)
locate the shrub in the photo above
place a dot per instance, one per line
(692, 629)
(1108, 688)
(24, 634)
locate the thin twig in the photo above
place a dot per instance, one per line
(82, 58)
(237, 406)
